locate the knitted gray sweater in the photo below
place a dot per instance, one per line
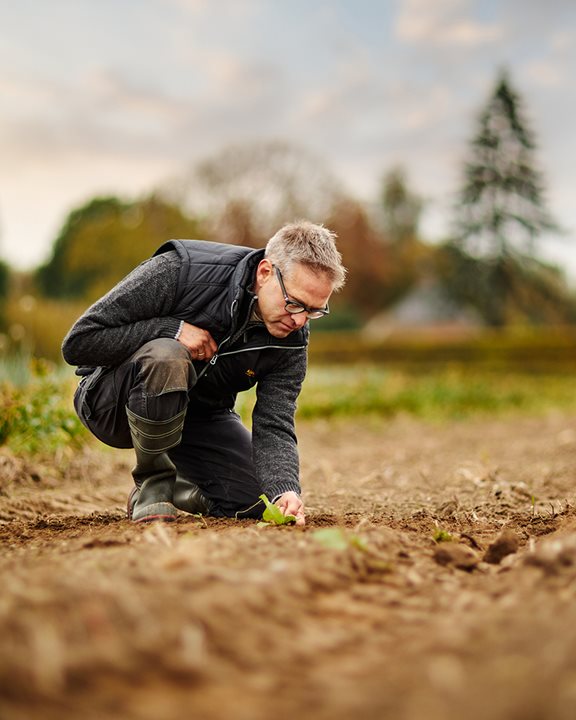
(137, 310)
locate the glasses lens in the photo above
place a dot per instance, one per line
(316, 315)
(294, 308)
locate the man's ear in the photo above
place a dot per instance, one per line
(264, 272)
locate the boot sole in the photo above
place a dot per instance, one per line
(151, 518)
(133, 497)
(155, 511)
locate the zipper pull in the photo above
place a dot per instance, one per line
(213, 359)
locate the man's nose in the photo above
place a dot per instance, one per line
(300, 319)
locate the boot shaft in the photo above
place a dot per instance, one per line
(154, 473)
(155, 436)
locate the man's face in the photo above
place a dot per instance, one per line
(302, 284)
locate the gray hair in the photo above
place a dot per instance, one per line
(308, 244)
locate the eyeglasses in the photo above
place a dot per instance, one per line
(294, 307)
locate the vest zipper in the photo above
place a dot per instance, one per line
(214, 359)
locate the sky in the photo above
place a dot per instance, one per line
(120, 96)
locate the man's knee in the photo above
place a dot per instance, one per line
(165, 366)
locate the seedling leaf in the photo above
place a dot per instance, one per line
(332, 538)
(440, 536)
(273, 515)
(337, 539)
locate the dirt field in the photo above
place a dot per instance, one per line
(211, 619)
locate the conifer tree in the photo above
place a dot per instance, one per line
(500, 217)
(502, 210)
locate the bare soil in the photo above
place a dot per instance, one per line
(220, 619)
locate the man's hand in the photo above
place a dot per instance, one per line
(198, 341)
(291, 504)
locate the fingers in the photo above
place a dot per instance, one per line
(210, 346)
(201, 353)
(199, 342)
(291, 504)
(300, 520)
(298, 514)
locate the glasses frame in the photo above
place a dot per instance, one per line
(295, 307)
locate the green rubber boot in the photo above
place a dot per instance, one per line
(189, 497)
(154, 473)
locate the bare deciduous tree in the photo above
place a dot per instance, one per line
(245, 192)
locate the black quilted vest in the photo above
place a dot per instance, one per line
(215, 293)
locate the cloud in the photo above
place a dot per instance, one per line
(563, 40)
(536, 20)
(231, 80)
(550, 66)
(365, 86)
(102, 114)
(221, 8)
(192, 6)
(21, 94)
(546, 73)
(442, 22)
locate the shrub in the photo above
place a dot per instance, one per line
(37, 416)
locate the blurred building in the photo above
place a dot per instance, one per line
(425, 309)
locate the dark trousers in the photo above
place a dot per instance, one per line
(216, 449)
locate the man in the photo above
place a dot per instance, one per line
(165, 352)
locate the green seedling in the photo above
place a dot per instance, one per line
(337, 539)
(272, 514)
(201, 518)
(440, 535)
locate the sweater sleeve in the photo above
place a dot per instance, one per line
(274, 443)
(135, 311)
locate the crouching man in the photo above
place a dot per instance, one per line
(163, 355)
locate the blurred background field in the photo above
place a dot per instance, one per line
(478, 322)
(37, 417)
(453, 392)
